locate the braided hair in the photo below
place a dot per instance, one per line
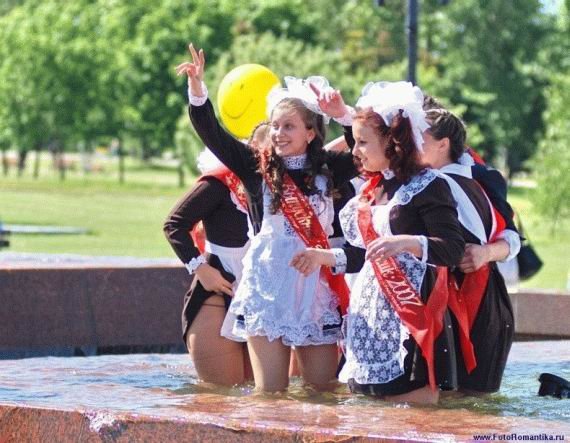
(445, 124)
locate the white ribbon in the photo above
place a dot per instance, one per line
(299, 88)
(388, 98)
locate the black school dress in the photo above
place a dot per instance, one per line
(492, 332)
(226, 230)
(382, 357)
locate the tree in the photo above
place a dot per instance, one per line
(486, 56)
(150, 40)
(286, 57)
(552, 161)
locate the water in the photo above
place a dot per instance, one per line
(161, 383)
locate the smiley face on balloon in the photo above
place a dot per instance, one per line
(242, 97)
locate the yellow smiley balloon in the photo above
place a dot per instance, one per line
(242, 98)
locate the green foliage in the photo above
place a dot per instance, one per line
(79, 71)
(552, 162)
(485, 52)
(151, 40)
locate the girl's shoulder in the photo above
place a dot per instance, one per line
(419, 183)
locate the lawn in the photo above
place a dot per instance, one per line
(552, 246)
(126, 219)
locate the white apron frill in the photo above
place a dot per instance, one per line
(273, 299)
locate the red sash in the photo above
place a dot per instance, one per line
(425, 321)
(234, 184)
(300, 214)
(465, 302)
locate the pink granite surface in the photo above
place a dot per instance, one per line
(542, 313)
(227, 420)
(156, 398)
(77, 301)
(87, 306)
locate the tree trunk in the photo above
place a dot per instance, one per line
(60, 161)
(121, 155)
(4, 162)
(22, 155)
(37, 163)
(181, 181)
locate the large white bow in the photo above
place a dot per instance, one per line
(388, 98)
(299, 88)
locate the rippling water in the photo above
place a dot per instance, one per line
(142, 383)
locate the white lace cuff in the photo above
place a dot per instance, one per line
(198, 101)
(514, 241)
(339, 261)
(346, 119)
(193, 264)
(424, 243)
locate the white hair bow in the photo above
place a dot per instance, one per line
(388, 98)
(299, 88)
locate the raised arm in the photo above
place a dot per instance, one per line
(341, 164)
(237, 156)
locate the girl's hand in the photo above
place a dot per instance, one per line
(331, 102)
(212, 280)
(194, 70)
(386, 247)
(311, 259)
(475, 257)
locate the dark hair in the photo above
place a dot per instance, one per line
(445, 124)
(315, 163)
(431, 102)
(401, 149)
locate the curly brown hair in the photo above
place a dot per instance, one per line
(401, 149)
(274, 166)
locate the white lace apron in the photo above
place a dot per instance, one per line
(374, 334)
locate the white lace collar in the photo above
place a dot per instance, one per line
(295, 161)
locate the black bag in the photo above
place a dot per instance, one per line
(528, 260)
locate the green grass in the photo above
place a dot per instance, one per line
(124, 219)
(127, 219)
(551, 246)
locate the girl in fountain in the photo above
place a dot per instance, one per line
(276, 306)
(216, 205)
(481, 305)
(405, 217)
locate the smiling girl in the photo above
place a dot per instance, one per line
(275, 306)
(398, 345)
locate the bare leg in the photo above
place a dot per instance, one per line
(217, 359)
(424, 395)
(318, 365)
(270, 363)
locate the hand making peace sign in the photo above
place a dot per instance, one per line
(194, 70)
